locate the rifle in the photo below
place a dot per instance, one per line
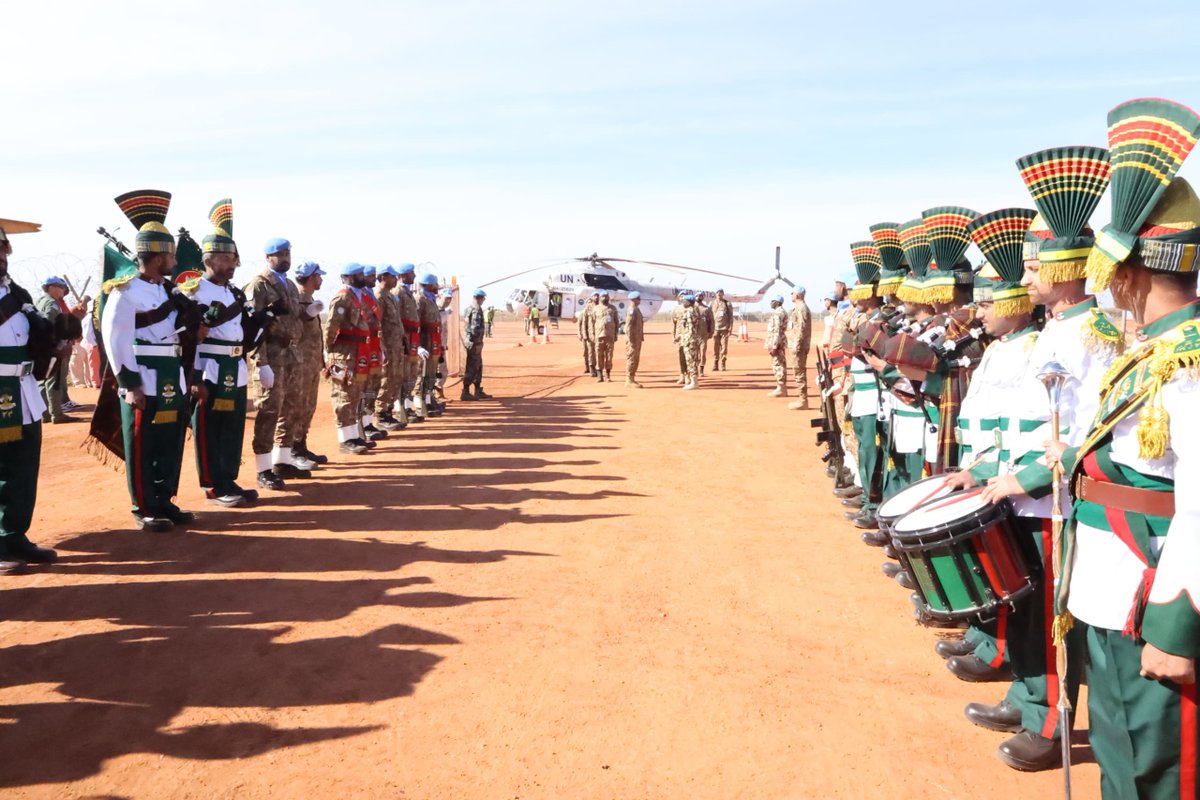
(831, 427)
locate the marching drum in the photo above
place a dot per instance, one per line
(909, 498)
(966, 555)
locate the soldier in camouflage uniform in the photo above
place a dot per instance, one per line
(776, 345)
(375, 371)
(722, 311)
(474, 329)
(707, 324)
(581, 318)
(346, 342)
(800, 328)
(689, 340)
(604, 335)
(429, 346)
(676, 337)
(634, 335)
(302, 396)
(272, 366)
(393, 341)
(412, 334)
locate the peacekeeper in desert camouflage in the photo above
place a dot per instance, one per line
(346, 341)
(604, 335)
(394, 357)
(689, 340)
(800, 330)
(676, 335)
(634, 336)
(412, 334)
(722, 311)
(775, 344)
(707, 322)
(273, 363)
(375, 357)
(302, 396)
(429, 346)
(581, 323)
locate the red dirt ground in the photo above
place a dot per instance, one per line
(574, 591)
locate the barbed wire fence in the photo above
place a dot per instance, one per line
(84, 273)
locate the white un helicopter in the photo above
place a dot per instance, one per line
(569, 284)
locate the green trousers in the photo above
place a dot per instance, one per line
(19, 463)
(217, 438)
(867, 430)
(153, 452)
(1143, 732)
(905, 470)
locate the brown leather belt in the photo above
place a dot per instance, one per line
(1150, 502)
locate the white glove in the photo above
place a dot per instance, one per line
(422, 352)
(266, 376)
(315, 308)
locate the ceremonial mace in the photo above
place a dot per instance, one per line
(1053, 376)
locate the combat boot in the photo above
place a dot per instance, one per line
(682, 380)
(401, 420)
(301, 448)
(690, 384)
(480, 394)
(799, 405)
(356, 446)
(466, 393)
(608, 375)
(386, 421)
(418, 409)
(779, 392)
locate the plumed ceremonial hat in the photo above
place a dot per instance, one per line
(886, 236)
(221, 238)
(946, 233)
(867, 263)
(1000, 235)
(915, 245)
(147, 210)
(1148, 140)
(1066, 184)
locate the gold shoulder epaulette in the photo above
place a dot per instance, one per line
(1101, 334)
(113, 283)
(1179, 350)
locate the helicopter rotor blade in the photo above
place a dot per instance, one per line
(527, 271)
(680, 267)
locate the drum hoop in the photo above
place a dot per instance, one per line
(958, 528)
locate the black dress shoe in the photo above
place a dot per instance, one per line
(848, 491)
(178, 516)
(269, 480)
(889, 551)
(373, 434)
(480, 394)
(1003, 716)
(870, 537)
(153, 524)
(291, 471)
(1030, 752)
(853, 502)
(953, 647)
(829, 471)
(972, 669)
(355, 446)
(905, 579)
(890, 568)
(27, 551)
(231, 500)
(250, 494)
(852, 513)
(867, 522)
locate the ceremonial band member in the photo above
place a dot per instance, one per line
(1134, 557)
(722, 311)
(474, 329)
(220, 374)
(21, 409)
(346, 341)
(139, 330)
(273, 361)
(308, 278)
(864, 403)
(634, 336)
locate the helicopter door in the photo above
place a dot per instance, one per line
(556, 305)
(568, 306)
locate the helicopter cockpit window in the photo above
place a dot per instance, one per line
(609, 282)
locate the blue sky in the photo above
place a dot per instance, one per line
(487, 137)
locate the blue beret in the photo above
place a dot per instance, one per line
(777, 298)
(368, 269)
(446, 292)
(843, 304)
(429, 278)
(799, 290)
(54, 280)
(689, 296)
(848, 278)
(479, 293)
(832, 296)
(404, 269)
(722, 291)
(308, 269)
(602, 293)
(634, 295)
(351, 268)
(276, 246)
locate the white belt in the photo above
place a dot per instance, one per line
(158, 350)
(219, 349)
(16, 370)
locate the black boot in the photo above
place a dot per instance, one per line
(302, 448)
(480, 394)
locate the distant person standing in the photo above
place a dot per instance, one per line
(51, 305)
(677, 334)
(706, 322)
(722, 311)
(800, 328)
(689, 340)
(535, 319)
(634, 335)
(830, 303)
(311, 346)
(346, 342)
(584, 321)
(604, 334)
(474, 329)
(489, 317)
(776, 345)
